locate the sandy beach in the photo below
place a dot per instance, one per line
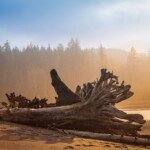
(22, 137)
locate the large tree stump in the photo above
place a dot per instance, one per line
(91, 108)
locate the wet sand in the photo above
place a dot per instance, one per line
(21, 137)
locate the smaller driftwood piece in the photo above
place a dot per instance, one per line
(110, 137)
(90, 108)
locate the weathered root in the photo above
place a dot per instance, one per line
(22, 102)
(65, 95)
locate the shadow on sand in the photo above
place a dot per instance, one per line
(16, 132)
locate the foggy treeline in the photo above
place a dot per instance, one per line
(26, 71)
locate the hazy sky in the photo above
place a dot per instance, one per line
(114, 23)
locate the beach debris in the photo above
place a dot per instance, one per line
(90, 108)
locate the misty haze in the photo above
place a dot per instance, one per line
(26, 71)
(74, 74)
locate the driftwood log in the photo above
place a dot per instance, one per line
(110, 137)
(90, 108)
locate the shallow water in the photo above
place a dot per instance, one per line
(145, 113)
